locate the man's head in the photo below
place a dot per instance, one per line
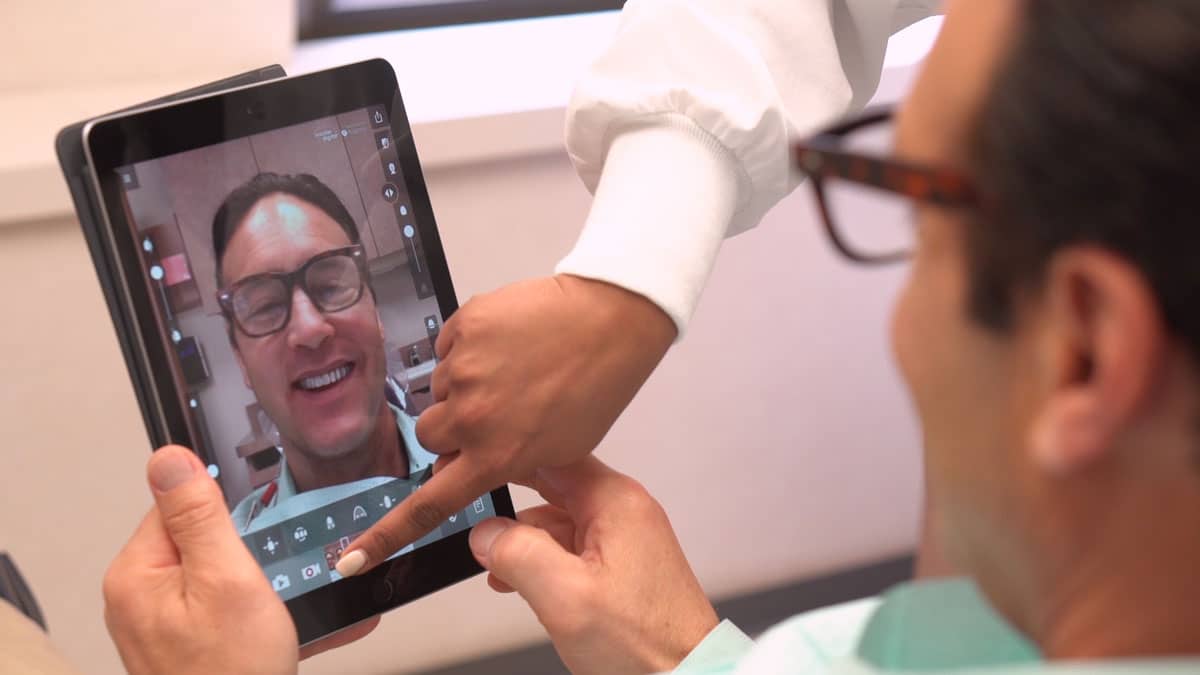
(1047, 336)
(320, 376)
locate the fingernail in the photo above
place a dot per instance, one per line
(170, 470)
(351, 563)
(484, 534)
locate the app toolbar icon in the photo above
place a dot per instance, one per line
(300, 534)
(271, 546)
(310, 572)
(329, 524)
(359, 513)
(281, 581)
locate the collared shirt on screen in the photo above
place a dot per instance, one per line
(287, 502)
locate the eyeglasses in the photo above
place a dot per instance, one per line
(261, 304)
(865, 197)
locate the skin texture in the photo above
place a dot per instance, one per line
(185, 596)
(331, 437)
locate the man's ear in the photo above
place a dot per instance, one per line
(1101, 342)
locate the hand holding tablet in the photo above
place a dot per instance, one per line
(275, 275)
(185, 567)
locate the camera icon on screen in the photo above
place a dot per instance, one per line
(281, 582)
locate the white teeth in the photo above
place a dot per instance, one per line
(318, 381)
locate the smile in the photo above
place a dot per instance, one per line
(318, 382)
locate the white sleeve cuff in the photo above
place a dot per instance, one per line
(662, 208)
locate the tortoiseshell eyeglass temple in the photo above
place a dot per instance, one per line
(829, 157)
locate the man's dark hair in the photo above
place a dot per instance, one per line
(1088, 137)
(243, 198)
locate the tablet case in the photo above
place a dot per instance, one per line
(14, 590)
(73, 161)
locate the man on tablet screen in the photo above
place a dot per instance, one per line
(296, 293)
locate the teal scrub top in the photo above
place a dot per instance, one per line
(943, 627)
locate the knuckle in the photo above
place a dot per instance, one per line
(512, 548)
(427, 432)
(115, 588)
(637, 499)
(454, 376)
(469, 321)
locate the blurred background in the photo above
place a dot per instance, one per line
(777, 434)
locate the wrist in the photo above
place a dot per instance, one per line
(682, 641)
(636, 315)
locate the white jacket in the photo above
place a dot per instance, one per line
(681, 128)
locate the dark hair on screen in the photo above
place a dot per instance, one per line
(1090, 136)
(243, 198)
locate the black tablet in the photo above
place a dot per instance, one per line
(272, 264)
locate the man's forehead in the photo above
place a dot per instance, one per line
(287, 214)
(278, 233)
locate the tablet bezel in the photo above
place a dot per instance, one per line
(127, 138)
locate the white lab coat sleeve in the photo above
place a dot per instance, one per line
(681, 127)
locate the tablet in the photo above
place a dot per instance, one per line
(275, 275)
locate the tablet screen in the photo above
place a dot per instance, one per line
(292, 289)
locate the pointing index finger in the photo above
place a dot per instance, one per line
(448, 491)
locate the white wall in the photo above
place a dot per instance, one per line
(85, 42)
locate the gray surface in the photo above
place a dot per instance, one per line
(753, 613)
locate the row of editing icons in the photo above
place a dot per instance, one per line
(300, 533)
(311, 572)
(389, 157)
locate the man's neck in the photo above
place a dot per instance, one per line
(1131, 592)
(380, 455)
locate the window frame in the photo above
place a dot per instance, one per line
(317, 19)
